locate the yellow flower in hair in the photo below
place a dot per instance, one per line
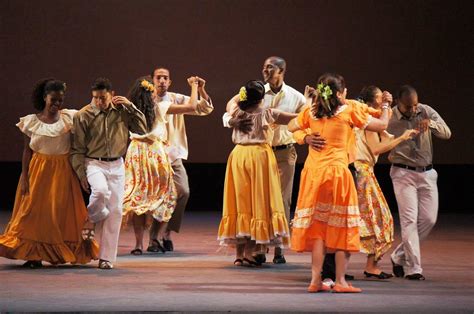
(147, 86)
(243, 94)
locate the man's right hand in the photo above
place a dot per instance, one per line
(243, 125)
(315, 141)
(85, 185)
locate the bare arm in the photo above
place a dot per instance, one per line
(25, 166)
(191, 105)
(284, 117)
(388, 143)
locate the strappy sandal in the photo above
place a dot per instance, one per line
(239, 262)
(156, 247)
(382, 275)
(103, 264)
(136, 251)
(250, 263)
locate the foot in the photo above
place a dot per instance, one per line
(238, 262)
(168, 245)
(397, 270)
(279, 259)
(155, 247)
(33, 264)
(136, 251)
(260, 258)
(379, 275)
(318, 287)
(250, 262)
(338, 288)
(103, 264)
(415, 277)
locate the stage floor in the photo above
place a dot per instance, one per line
(199, 277)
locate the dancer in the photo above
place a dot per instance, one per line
(49, 210)
(414, 179)
(253, 213)
(327, 216)
(283, 97)
(376, 229)
(177, 149)
(149, 188)
(100, 140)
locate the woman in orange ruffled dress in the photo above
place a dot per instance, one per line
(49, 210)
(327, 214)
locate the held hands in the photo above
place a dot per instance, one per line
(409, 134)
(194, 81)
(387, 97)
(315, 141)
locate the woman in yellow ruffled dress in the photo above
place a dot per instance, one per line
(376, 223)
(49, 210)
(253, 213)
(150, 192)
(327, 214)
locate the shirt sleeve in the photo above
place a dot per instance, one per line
(203, 107)
(303, 118)
(225, 119)
(136, 120)
(26, 124)
(438, 127)
(300, 135)
(78, 147)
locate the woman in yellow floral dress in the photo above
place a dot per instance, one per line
(150, 192)
(327, 215)
(376, 225)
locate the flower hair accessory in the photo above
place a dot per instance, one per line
(147, 86)
(243, 94)
(324, 91)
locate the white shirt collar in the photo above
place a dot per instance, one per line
(269, 90)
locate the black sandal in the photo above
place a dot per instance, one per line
(239, 262)
(249, 263)
(382, 275)
(156, 247)
(136, 251)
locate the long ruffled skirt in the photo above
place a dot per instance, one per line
(46, 224)
(253, 203)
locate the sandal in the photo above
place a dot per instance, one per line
(103, 264)
(33, 264)
(382, 275)
(239, 262)
(349, 289)
(250, 263)
(136, 251)
(318, 288)
(156, 247)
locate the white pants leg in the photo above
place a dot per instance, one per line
(417, 199)
(107, 180)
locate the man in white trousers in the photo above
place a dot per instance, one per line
(414, 179)
(101, 131)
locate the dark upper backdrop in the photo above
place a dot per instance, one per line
(388, 43)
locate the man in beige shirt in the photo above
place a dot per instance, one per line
(100, 138)
(177, 149)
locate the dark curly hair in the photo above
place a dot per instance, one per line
(44, 87)
(143, 100)
(255, 92)
(367, 94)
(337, 84)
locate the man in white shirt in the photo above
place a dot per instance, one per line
(178, 149)
(283, 97)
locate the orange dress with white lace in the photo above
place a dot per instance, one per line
(327, 206)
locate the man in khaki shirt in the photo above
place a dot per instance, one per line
(100, 138)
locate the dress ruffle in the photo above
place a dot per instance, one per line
(30, 124)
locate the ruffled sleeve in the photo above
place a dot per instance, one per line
(303, 118)
(359, 114)
(270, 116)
(27, 124)
(67, 115)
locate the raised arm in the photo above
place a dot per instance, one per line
(136, 118)
(191, 104)
(436, 124)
